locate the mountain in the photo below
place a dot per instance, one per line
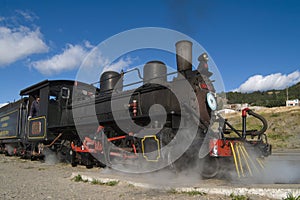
(270, 98)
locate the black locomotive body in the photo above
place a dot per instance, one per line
(111, 125)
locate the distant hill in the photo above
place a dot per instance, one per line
(270, 98)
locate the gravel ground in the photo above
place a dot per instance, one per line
(25, 179)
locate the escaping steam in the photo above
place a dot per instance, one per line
(51, 157)
(9, 149)
(280, 172)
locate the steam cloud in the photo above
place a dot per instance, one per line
(9, 149)
(51, 157)
(269, 82)
(280, 172)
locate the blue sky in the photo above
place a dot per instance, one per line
(255, 44)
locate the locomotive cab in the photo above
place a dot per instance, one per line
(54, 108)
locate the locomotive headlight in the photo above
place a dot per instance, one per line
(211, 101)
(205, 57)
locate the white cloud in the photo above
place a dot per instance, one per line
(96, 63)
(89, 62)
(17, 43)
(69, 59)
(3, 104)
(119, 65)
(94, 60)
(27, 15)
(269, 82)
(87, 44)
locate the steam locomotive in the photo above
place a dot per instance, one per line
(163, 123)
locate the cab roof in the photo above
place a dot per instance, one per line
(33, 88)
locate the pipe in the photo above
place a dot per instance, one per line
(49, 145)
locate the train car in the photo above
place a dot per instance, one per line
(12, 124)
(53, 127)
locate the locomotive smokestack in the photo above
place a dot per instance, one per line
(184, 55)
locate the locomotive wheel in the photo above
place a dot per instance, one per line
(89, 166)
(33, 158)
(210, 167)
(73, 164)
(87, 160)
(100, 164)
(64, 153)
(73, 158)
